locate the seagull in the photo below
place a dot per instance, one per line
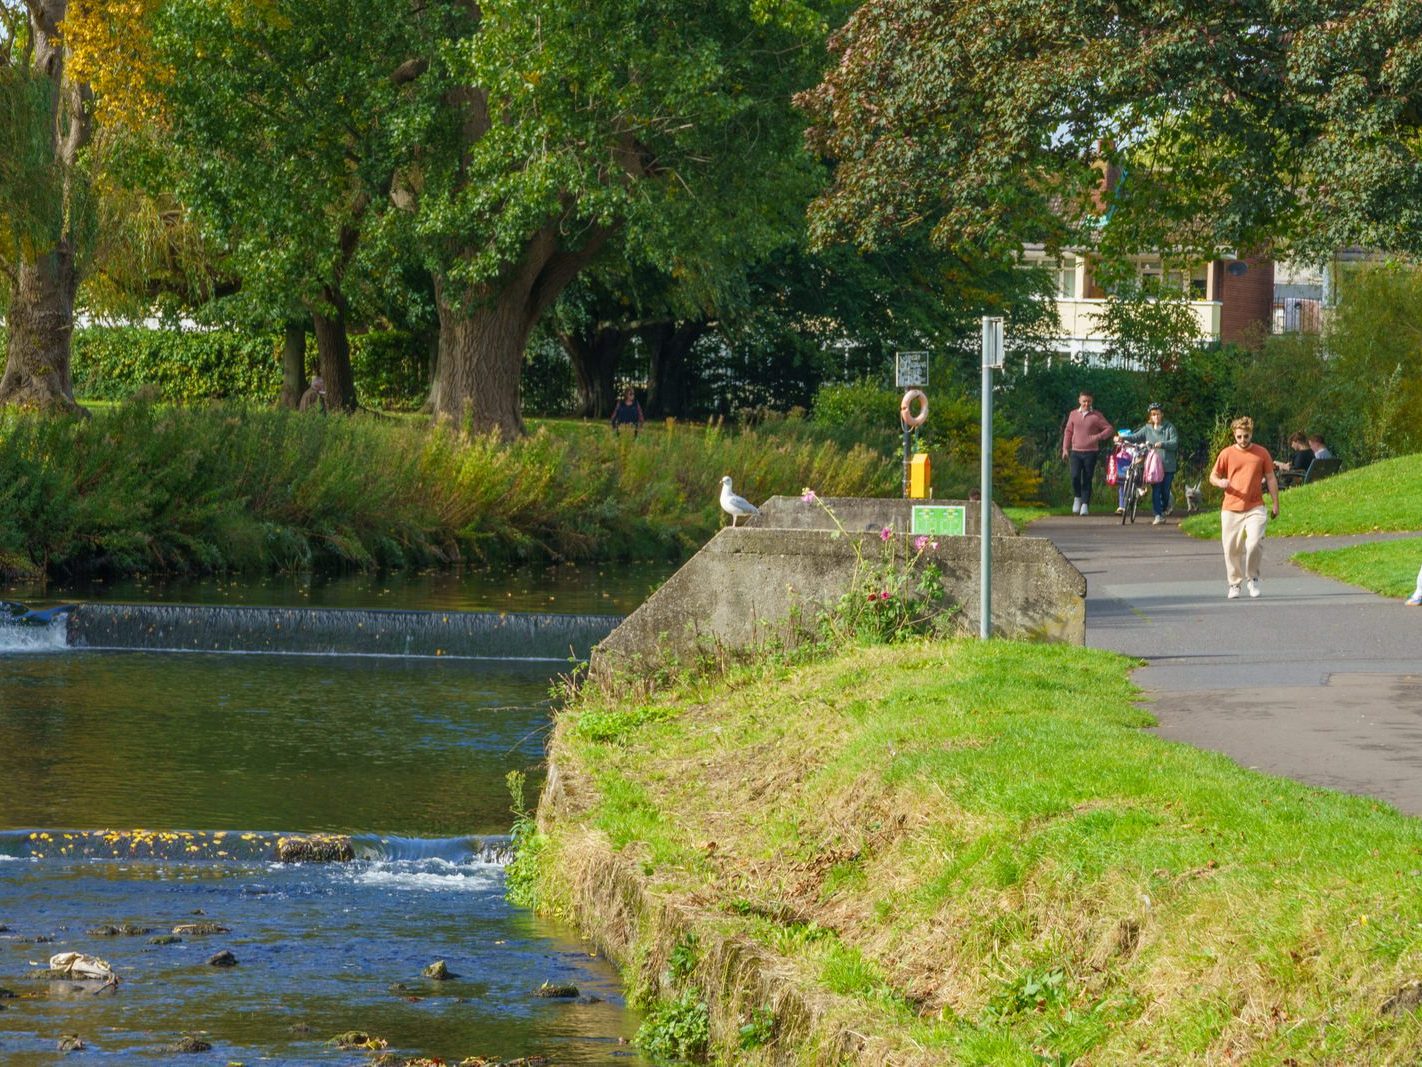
(735, 506)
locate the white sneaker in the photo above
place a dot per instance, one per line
(1076, 505)
(1120, 511)
(1083, 509)
(1233, 593)
(1157, 520)
(1254, 589)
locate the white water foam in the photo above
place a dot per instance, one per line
(49, 638)
(438, 876)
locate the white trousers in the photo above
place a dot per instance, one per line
(1243, 535)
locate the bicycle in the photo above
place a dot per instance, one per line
(1133, 484)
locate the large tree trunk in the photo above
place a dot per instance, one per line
(483, 332)
(333, 352)
(41, 323)
(670, 346)
(293, 365)
(41, 312)
(594, 356)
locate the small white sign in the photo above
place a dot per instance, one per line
(911, 370)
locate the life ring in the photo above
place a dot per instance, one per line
(906, 409)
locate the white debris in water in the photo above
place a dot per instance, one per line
(438, 876)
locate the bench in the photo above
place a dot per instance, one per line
(1317, 471)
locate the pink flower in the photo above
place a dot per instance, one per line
(808, 495)
(884, 595)
(933, 544)
(886, 533)
(920, 544)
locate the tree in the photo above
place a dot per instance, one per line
(45, 202)
(1227, 124)
(291, 123)
(576, 122)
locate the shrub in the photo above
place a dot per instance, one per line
(111, 362)
(677, 1030)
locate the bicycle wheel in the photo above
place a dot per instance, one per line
(1133, 479)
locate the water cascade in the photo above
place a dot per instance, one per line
(308, 631)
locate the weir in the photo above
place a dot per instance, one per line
(237, 846)
(313, 631)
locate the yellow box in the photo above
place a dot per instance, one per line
(920, 477)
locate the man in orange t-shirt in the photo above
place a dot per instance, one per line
(1240, 470)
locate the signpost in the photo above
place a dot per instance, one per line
(992, 360)
(938, 520)
(911, 370)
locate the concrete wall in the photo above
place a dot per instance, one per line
(866, 514)
(741, 589)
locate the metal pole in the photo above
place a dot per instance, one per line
(908, 454)
(992, 342)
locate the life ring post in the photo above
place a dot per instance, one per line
(911, 419)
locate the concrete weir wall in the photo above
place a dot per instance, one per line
(742, 588)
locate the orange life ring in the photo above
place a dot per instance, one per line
(906, 408)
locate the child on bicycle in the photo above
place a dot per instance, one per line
(1121, 459)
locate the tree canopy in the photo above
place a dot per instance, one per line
(993, 123)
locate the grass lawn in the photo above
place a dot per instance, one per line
(974, 852)
(1388, 568)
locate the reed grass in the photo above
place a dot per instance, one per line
(145, 488)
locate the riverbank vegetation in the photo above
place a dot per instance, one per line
(960, 851)
(158, 489)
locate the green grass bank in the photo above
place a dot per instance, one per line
(964, 852)
(1384, 497)
(145, 488)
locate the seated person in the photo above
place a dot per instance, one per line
(1320, 450)
(1302, 456)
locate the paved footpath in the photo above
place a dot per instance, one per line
(1315, 680)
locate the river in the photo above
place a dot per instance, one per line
(149, 788)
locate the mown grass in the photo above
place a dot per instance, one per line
(976, 853)
(1384, 496)
(157, 489)
(1388, 568)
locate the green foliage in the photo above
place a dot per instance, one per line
(521, 874)
(677, 1030)
(1148, 328)
(391, 367)
(757, 1031)
(1373, 385)
(1306, 126)
(615, 724)
(147, 488)
(684, 956)
(111, 362)
(865, 412)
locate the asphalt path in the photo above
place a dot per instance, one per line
(1315, 680)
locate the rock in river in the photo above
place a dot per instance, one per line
(222, 959)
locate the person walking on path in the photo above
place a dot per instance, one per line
(1085, 429)
(1239, 470)
(1162, 436)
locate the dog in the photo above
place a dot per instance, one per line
(1193, 498)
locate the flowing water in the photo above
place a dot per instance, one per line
(149, 788)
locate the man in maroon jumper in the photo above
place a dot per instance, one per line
(1081, 443)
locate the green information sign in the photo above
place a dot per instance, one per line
(945, 520)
